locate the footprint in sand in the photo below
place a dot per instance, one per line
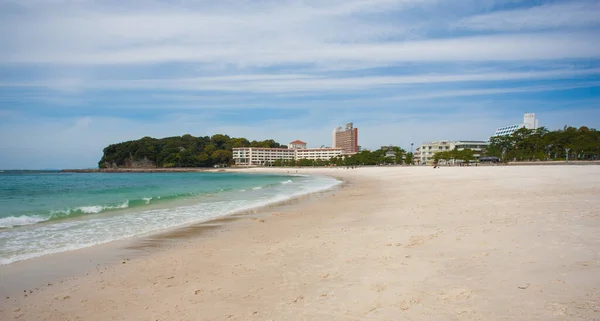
(407, 304)
(456, 294)
(419, 240)
(379, 287)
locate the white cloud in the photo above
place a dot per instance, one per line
(546, 16)
(270, 34)
(495, 91)
(82, 122)
(290, 83)
(262, 54)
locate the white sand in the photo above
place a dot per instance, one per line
(478, 243)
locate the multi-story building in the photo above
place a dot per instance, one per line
(346, 138)
(424, 153)
(318, 153)
(417, 156)
(529, 122)
(253, 156)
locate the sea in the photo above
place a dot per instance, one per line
(43, 212)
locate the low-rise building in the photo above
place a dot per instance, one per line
(425, 153)
(253, 156)
(318, 153)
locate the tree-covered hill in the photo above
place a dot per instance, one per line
(178, 151)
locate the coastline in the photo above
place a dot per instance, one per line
(188, 203)
(455, 243)
(143, 170)
(271, 169)
(33, 274)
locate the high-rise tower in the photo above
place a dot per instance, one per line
(346, 138)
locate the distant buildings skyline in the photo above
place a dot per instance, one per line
(345, 142)
(297, 150)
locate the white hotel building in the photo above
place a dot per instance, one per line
(254, 156)
(425, 153)
(529, 122)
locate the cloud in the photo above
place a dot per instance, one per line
(82, 122)
(572, 14)
(268, 34)
(479, 48)
(495, 91)
(289, 83)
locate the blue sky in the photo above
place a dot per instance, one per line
(78, 75)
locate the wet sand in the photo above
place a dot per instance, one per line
(397, 243)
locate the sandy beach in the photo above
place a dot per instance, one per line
(394, 243)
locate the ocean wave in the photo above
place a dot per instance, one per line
(92, 209)
(257, 188)
(22, 220)
(15, 221)
(287, 182)
(22, 244)
(60, 214)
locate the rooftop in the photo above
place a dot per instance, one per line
(298, 142)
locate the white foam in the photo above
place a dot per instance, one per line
(99, 208)
(147, 199)
(257, 188)
(13, 221)
(92, 209)
(287, 182)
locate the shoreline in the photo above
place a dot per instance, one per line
(267, 168)
(99, 256)
(412, 243)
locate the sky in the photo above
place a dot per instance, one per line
(77, 75)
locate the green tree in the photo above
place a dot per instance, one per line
(219, 141)
(542, 144)
(239, 142)
(409, 158)
(222, 157)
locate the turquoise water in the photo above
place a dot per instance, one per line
(48, 212)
